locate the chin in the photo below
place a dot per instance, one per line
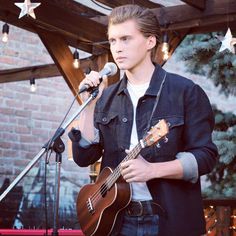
(122, 66)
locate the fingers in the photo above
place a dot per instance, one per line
(135, 170)
(92, 80)
(104, 83)
(127, 171)
(127, 151)
(125, 164)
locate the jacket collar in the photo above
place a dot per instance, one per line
(154, 85)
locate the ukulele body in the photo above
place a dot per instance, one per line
(98, 204)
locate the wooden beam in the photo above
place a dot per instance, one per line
(78, 30)
(209, 24)
(200, 4)
(25, 73)
(63, 58)
(101, 61)
(39, 71)
(220, 202)
(174, 40)
(55, 16)
(221, 26)
(185, 17)
(115, 3)
(29, 26)
(76, 7)
(182, 16)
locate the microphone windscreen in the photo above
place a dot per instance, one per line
(109, 69)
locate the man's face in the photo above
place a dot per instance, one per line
(128, 46)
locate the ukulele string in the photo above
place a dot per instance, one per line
(115, 175)
(130, 156)
(105, 186)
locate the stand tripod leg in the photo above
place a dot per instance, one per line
(22, 174)
(56, 194)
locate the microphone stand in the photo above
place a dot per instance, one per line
(58, 146)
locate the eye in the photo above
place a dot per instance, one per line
(125, 38)
(111, 41)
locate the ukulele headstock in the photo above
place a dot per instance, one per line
(156, 133)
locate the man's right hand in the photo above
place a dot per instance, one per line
(93, 80)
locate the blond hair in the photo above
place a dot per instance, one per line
(146, 21)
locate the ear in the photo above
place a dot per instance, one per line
(151, 42)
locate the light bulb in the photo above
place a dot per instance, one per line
(5, 32)
(33, 86)
(5, 37)
(165, 56)
(76, 63)
(165, 47)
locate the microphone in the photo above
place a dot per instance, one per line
(109, 69)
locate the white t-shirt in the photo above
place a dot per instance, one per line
(139, 189)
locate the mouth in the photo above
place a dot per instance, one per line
(118, 59)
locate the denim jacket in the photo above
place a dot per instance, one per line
(186, 108)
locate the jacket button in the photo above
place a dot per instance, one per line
(124, 119)
(104, 119)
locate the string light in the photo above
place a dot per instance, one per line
(212, 223)
(33, 86)
(212, 227)
(165, 47)
(5, 32)
(233, 227)
(76, 62)
(165, 56)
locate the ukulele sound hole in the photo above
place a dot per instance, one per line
(103, 190)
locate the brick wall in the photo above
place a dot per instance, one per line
(27, 121)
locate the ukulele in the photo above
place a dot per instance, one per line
(98, 204)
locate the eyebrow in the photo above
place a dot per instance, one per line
(120, 37)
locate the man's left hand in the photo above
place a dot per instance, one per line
(136, 170)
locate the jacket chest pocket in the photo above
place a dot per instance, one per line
(174, 137)
(114, 128)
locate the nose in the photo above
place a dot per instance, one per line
(117, 47)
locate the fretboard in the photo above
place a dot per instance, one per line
(117, 171)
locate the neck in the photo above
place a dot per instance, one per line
(140, 75)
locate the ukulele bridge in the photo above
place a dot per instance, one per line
(90, 206)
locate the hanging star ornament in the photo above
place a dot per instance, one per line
(27, 8)
(228, 42)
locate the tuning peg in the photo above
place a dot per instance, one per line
(168, 123)
(152, 140)
(158, 145)
(166, 140)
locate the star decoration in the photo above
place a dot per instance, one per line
(228, 42)
(27, 8)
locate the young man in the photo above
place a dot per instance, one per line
(166, 193)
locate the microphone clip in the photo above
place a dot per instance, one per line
(89, 89)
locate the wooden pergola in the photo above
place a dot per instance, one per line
(63, 23)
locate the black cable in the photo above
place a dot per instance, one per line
(106, 8)
(50, 141)
(48, 148)
(45, 198)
